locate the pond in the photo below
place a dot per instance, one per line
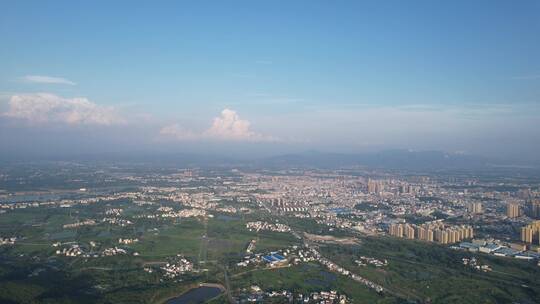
(227, 218)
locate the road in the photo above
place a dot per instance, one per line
(227, 285)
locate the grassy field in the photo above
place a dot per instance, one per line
(183, 237)
(432, 273)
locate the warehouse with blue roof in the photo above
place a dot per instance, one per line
(274, 258)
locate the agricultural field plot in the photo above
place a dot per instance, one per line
(306, 278)
(183, 237)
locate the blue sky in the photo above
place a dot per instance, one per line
(326, 75)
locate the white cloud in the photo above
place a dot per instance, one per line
(48, 80)
(178, 132)
(228, 127)
(50, 108)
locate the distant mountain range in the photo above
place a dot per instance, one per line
(398, 159)
(388, 159)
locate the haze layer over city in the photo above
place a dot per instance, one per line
(269, 152)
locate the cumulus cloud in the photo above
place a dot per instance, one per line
(228, 127)
(47, 79)
(50, 108)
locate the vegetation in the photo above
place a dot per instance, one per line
(425, 272)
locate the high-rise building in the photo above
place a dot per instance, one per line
(444, 237)
(452, 237)
(372, 186)
(533, 208)
(531, 232)
(432, 232)
(429, 235)
(396, 230)
(512, 210)
(406, 188)
(392, 229)
(466, 232)
(474, 207)
(527, 235)
(403, 188)
(400, 231)
(409, 232)
(420, 232)
(380, 187)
